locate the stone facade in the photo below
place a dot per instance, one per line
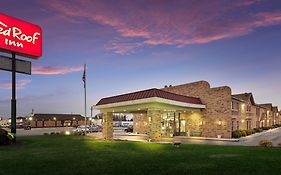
(245, 113)
(216, 117)
(107, 130)
(154, 125)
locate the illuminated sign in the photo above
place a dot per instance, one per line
(19, 36)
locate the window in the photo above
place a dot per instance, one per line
(248, 108)
(235, 105)
(258, 112)
(249, 124)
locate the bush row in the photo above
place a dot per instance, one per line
(242, 133)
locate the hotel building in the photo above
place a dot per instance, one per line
(193, 109)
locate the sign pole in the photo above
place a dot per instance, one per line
(13, 101)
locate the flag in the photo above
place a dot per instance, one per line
(84, 75)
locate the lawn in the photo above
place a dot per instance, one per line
(51, 155)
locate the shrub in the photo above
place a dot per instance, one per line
(266, 128)
(6, 137)
(249, 132)
(265, 143)
(279, 144)
(236, 134)
(258, 129)
(243, 133)
(53, 133)
(46, 133)
(253, 131)
(3, 135)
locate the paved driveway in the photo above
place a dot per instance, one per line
(273, 135)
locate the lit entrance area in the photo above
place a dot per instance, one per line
(181, 123)
(157, 113)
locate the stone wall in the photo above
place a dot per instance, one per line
(154, 125)
(107, 130)
(217, 115)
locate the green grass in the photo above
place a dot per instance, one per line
(51, 155)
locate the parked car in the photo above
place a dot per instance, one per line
(129, 128)
(81, 129)
(93, 128)
(27, 127)
(99, 128)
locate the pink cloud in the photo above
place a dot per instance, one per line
(20, 84)
(55, 70)
(177, 23)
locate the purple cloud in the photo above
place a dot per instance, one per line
(20, 84)
(47, 70)
(177, 23)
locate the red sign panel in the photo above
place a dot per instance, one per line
(19, 36)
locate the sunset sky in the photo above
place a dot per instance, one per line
(134, 45)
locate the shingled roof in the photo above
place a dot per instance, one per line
(149, 93)
(245, 97)
(57, 116)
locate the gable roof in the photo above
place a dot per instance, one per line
(245, 97)
(149, 93)
(267, 106)
(57, 116)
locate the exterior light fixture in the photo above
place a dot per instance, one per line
(184, 111)
(163, 127)
(74, 118)
(138, 109)
(30, 118)
(54, 118)
(141, 114)
(124, 110)
(242, 121)
(200, 123)
(219, 122)
(149, 119)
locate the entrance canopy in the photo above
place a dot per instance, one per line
(147, 99)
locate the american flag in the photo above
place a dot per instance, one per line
(84, 75)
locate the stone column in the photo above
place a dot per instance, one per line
(154, 125)
(107, 130)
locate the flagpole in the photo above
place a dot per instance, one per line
(84, 76)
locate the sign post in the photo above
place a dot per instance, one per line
(18, 38)
(13, 101)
